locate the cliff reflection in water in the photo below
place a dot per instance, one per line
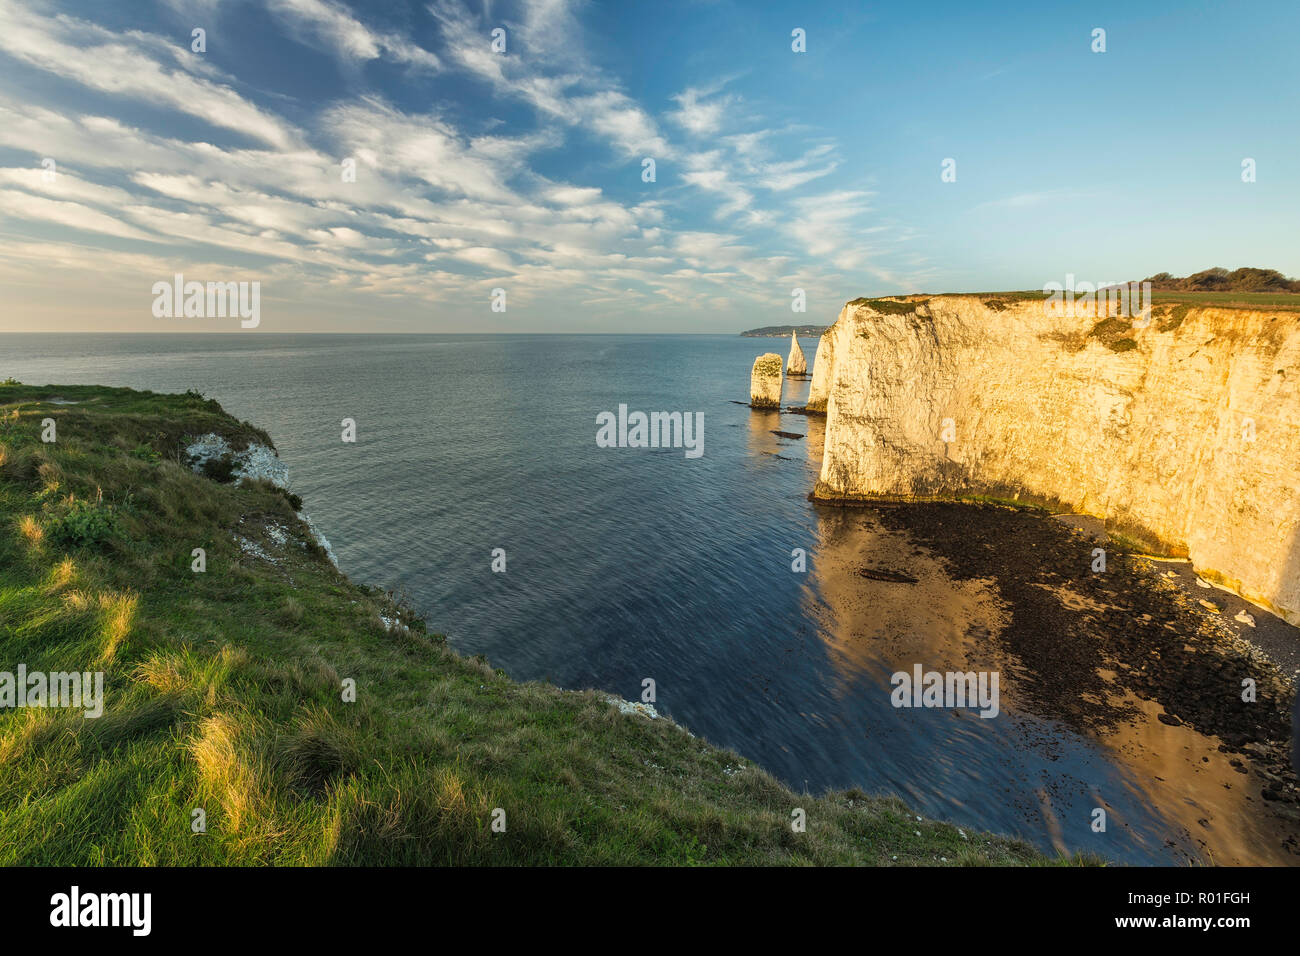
(1164, 789)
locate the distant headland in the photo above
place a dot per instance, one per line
(781, 331)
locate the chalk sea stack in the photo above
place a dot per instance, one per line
(796, 364)
(823, 364)
(765, 382)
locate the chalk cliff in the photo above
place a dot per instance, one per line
(823, 363)
(796, 364)
(765, 381)
(1183, 434)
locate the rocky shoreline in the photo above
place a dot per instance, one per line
(1098, 651)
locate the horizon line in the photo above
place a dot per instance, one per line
(300, 332)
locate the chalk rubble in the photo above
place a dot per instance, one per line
(257, 462)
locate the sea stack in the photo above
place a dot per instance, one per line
(765, 382)
(823, 370)
(796, 364)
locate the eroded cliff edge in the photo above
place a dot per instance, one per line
(1183, 434)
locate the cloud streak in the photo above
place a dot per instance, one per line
(442, 208)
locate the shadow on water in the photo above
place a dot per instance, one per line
(1169, 793)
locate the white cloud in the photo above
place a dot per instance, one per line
(63, 185)
(20, 205)
(827, 225)
(706, 172)
(780, 177)
(698, 116)
(548, 69)
(442, 208)
(335, 26)
(422, 147)
(78, 51)
(485, 256)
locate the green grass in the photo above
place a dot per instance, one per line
(888, 306)
(999, 301)
(1263, 301)
(223, 692)
(1110, 332)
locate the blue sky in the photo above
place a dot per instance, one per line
(522, 170)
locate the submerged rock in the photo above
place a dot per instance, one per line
(882, 574)
(765, 382)
(796, 364)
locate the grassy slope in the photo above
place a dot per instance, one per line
(223, 692)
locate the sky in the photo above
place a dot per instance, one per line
(381, 167)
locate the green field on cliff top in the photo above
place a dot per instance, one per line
(1287, 301)
(223, 691)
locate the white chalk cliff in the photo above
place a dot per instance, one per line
(765, 381)
(796, 364)
(1183, 434)
(823, 362)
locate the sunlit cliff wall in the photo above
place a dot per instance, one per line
(1183, 434)
(823, 363)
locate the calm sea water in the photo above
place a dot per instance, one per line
(627, 564)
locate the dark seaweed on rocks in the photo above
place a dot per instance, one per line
(1160, 646)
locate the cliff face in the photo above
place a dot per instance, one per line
(1184, 435)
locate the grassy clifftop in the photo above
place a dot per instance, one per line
(223, 692)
